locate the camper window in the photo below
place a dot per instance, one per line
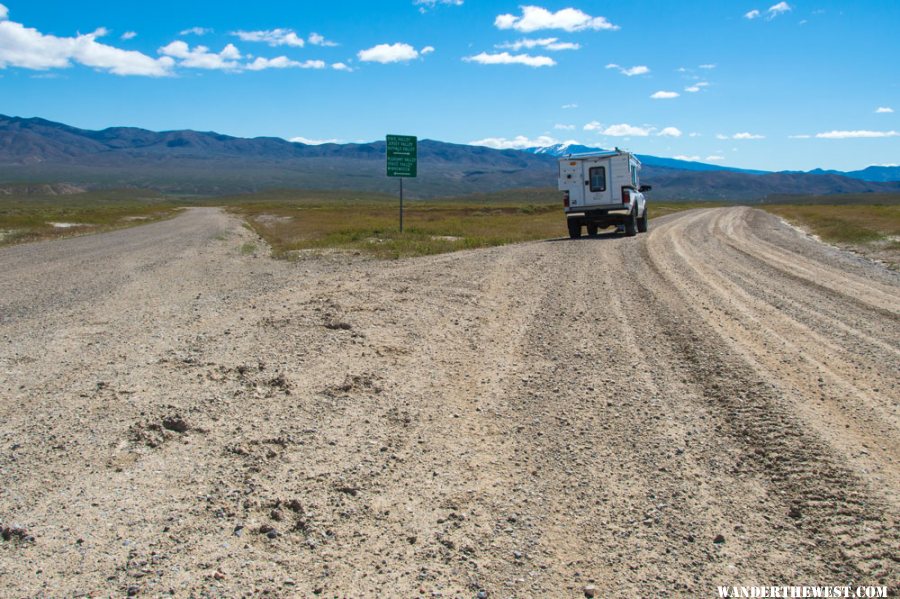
(598, 178)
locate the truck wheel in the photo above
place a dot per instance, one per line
(592, 230)
(631, 225)
(574, 228)
(644, 221)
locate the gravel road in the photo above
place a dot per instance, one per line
(713, 403)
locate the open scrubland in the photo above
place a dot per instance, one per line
(712, 403)
(872, 230)
(294, 222)
(297, 224)
(26, 217)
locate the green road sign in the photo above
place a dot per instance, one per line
(402, 160)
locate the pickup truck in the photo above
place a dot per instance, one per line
(603, 190)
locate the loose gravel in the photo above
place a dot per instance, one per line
(712, 403)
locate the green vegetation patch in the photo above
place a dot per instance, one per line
(36, 217)
(296, 222)
(855, 224)
(871, 230)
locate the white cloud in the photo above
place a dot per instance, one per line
(520, 142)
(856, 134)
(547, 43)
(387, 53)
(535, 18)
(340, 66)
(884, 110)
(28, 48)
(625, 130)
(800, 136)
(695, 135)
(772, 12)
(696, 87)
(313, 142)
(777, 9)
(747, 136)
(714, 158)
(664, 95)
(196, 31)
(273, 37)
(720, 136)
(319, 40)
(567, 106)
(426, 50)
(201, 58)
(424, 5)
(564, 127)
(507, 58)
(630, 72)
(128, 35)
(283, 62)
(688, 158)
(638, 70)
(708, 67)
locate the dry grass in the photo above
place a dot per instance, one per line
(870, 229)
(32, 218)
(428, 229)
(370, 224)
(299, 221)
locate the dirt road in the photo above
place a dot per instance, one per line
(714, 403)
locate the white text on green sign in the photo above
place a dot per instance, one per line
(402, 155)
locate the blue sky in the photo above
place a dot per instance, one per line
(756, 84)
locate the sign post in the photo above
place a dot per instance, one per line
(402, 161)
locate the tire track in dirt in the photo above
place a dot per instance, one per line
(807, 361)
(643, 415)
(839, 503)
(737, 229)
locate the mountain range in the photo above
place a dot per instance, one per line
(876, 173)
(35, 151)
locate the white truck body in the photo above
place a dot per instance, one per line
(602, 190)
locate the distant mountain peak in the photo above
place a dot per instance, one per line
(564, 149)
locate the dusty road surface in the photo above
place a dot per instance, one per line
(714, 403)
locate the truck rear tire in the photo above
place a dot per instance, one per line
(574, 228)
(592, 230)
(643, 222)
(631, 225)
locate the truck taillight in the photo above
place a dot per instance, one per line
(626, 196)
(565, 199)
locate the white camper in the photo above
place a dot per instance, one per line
(603, 190)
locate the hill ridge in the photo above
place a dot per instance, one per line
(34, 150)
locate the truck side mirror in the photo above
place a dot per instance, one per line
(644, 188)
